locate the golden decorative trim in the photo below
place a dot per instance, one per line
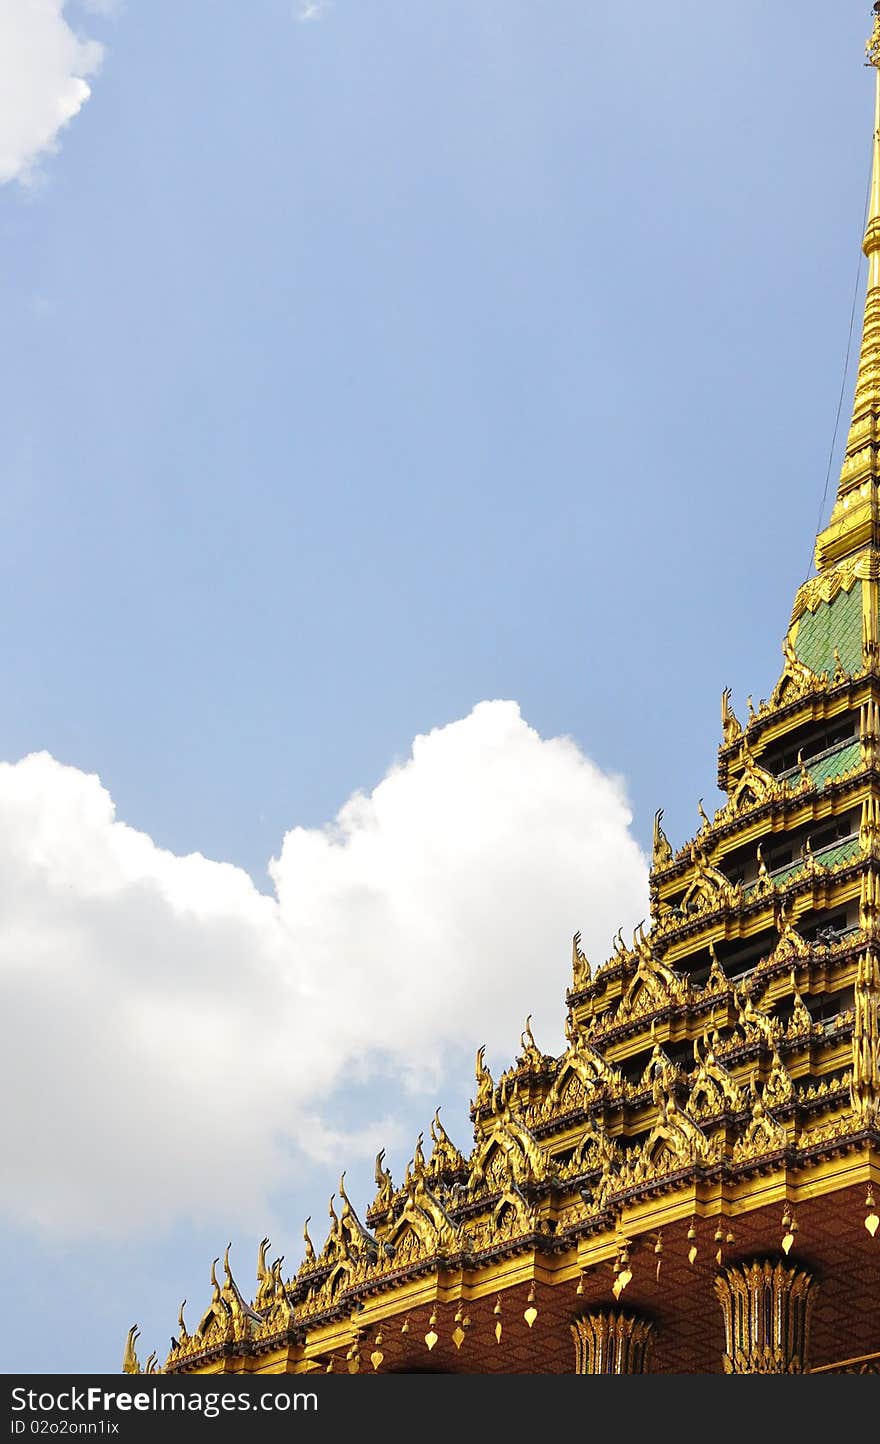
(612, 1342)
(767, 1310)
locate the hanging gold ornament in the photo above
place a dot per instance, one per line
(354, 1359)
(658, 1253)
(432, 1336)
(719, 1244)
(531, 1312)
(377, 1356)
(692, 1237)
(729, 1238)
(872, 1221)
(497, 1312)
(580, 1283)
(622, 1271)
(458, 1331)
(789, 1224)
(404, 1328)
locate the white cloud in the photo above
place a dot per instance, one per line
(171, 1033)
(44, 67)
(311, 9)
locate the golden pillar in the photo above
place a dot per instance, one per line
(767, 1309)
(612, 1342)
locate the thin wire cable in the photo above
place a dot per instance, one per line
(852, 322)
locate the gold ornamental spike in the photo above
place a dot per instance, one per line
(855, 520)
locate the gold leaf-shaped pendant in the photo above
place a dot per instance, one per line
(376, 1358)
(458, 1336)
(498, 1332)
(431, 1338)
(530, 1315)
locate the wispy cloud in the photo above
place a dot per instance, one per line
(312, 9)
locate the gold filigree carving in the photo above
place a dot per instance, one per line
(508, 1137)
(445, 1158)
(612, 1342)
(824, 588)
(764, 1133)
(654, 986)
(767, 1308)
(709, 888)
(865, 1086)
(712, 1088)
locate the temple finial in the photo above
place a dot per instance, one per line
(873, 45)
(855, 521)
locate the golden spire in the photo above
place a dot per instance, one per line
(855, 520)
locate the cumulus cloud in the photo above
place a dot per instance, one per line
(44, 70)
(171, 1032)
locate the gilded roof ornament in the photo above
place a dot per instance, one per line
(485, 1085)
(581, 971)
(531, 1057)
(872, 46)
(311, 1257)
(445, 1157)
(384, 1185)
(662, 848)
(730, 724)
(130, 1364)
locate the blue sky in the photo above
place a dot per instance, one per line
(364, 363)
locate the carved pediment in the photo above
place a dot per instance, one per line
(764, 1134)
(582, 1071)
(508, 1138)
(654, 985)
(712, 1088)
(754, 787)
(675, 1141)
(709, 888)
(425, 1217)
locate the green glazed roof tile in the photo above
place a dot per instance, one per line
(836, 763)
(833, 624)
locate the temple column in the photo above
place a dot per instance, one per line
(612, 1342)
(767, 1309)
